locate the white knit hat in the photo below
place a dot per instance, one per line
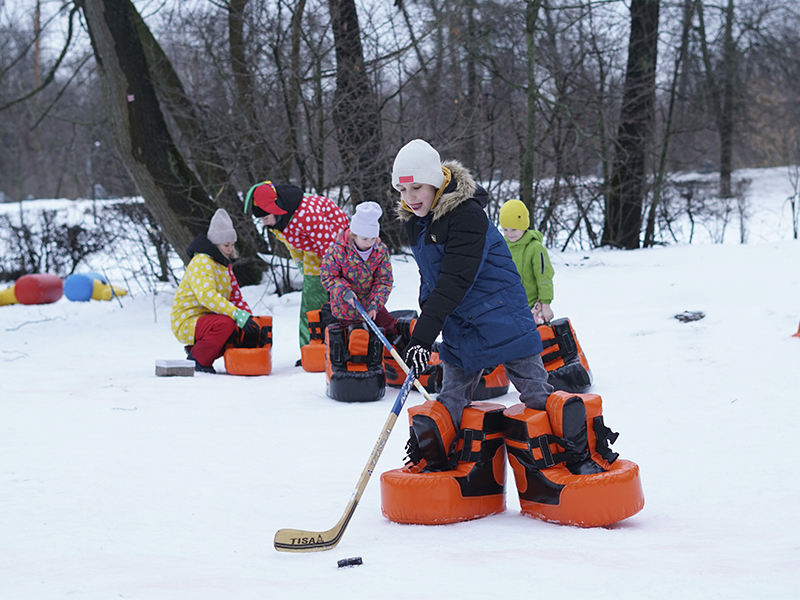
(365, 221)
(221, 231)
(417, 162)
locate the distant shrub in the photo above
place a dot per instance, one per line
(136, 225)
(41, 243)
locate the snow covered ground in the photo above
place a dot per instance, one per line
(115, 483)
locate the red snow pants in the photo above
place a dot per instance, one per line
(210, 335)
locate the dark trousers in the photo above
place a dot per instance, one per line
(527, 374)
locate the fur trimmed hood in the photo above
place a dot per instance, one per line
(458, 187)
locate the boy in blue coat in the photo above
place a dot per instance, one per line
(470, 292)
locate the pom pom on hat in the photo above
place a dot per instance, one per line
(220, 230)
(514, 215)
(417, 162)
(365, 221)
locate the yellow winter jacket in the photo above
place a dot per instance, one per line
(306, 261)
(204, 289)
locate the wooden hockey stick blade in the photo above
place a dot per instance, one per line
(350, 295)
(300, 540)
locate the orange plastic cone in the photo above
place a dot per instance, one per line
(797, 335)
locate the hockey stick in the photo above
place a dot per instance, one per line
(350, 295)
(300, 540)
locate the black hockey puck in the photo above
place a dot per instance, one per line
(350, 562)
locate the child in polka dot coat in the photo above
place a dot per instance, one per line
(208, 306)
(307, 225)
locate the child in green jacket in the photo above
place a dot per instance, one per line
(530, 257)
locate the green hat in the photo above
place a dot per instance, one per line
(514, 215)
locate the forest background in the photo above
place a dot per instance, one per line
(611, 120)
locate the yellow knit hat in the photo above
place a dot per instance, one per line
(514, 215)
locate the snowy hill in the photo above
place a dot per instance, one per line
(115, 483)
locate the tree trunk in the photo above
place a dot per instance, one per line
(623, 219)
(170, 189)
(526, 186)
(472, 101)
(650, 229)
(292, 93)
(245, 92)
(358, 122)
(729, 69)
(206, 160)
(295, 92)
(722, 95)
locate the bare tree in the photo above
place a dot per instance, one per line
(623, 219)
(170, 188)
(526, 93)
(689, 7)
(358, 121)
(526, 185)
(722, 93)
(206, 160)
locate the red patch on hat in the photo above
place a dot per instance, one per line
(406, 179)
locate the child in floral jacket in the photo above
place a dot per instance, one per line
(359, 261)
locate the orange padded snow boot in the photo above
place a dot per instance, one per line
(563, 357)
(474, 488)
(353, 364)
(566, 473)
(251, 356)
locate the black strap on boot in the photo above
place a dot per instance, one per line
(375, 352)
(250, 339)
(337, 347)
(575, 431)
(316, 331)
(567, 349)
(469, 436)
(604, 437)
(549, 458)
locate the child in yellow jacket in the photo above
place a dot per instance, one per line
(208, 306)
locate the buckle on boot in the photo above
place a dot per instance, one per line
(413, 454)
(604, 437)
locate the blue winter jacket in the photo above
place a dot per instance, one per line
(470, 290)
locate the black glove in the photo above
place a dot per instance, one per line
(251, 333)
(251, 327)
(417, 356)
